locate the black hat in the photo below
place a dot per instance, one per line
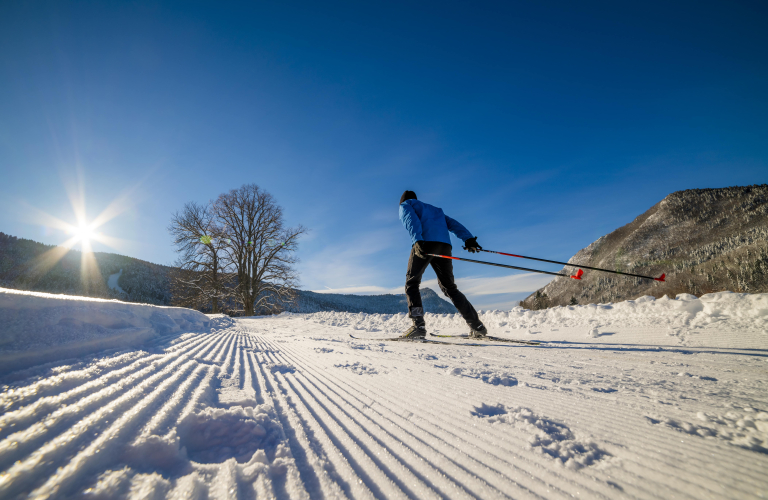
(408, 195)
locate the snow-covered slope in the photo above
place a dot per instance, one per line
(113, 280)
(630, 400)
(38, 327)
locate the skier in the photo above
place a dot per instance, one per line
(428, 227)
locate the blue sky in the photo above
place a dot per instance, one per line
(540, 126)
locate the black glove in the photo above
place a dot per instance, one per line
(471, 245)
(420, 250)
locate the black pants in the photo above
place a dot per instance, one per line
(444, 271)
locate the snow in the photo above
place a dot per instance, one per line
(639, 399)
(39, 327)
(112, 282)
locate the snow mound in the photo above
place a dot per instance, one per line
(746, 428)
(216, 435)
(492, 377)
(358, 368)
(41, 327)
(547, 436)
(728, 315)
(220, 321)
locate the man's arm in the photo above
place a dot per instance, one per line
(456, 228)
(411, 222)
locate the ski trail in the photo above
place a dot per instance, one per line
(181, 368)
(320, 415)
(317, 473)
(15, 397)
(46, 427)
(26, 415)
(361, 483)
(471, 438)
(382, 458)
(386, 439)
(169, 410)
(352, 484)
(654, 459)
(129, 404)
(23, 473)
(423, 453)
(658, 447)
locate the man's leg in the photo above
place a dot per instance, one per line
(416, 268)
(444, 271)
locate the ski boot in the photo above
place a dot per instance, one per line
(417, 331)
(478, 332)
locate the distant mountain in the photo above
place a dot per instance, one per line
(705, 240)
(29, 265)
(384, 304)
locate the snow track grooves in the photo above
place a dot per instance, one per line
(425, 424)
(657, 447)
(437, 453)
(383, 441)
(362, 419)
(66, 429)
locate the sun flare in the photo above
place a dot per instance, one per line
(84, 233)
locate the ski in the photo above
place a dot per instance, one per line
(422, 341)
(487, 337)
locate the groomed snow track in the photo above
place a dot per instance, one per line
(284, 408)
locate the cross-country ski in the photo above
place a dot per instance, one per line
(486, 338)
(428, 340)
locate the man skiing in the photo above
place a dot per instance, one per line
(428, 227)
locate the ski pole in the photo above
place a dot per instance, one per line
(661, 278)
(576, 276)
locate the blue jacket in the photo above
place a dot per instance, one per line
(426, 222)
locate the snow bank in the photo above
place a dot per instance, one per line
(729, 312)
(40, 327)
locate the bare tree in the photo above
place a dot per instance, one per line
(199, 240)
(184, 295)
(260, 249)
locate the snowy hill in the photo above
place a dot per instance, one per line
(23, 266)
(640, 399)
(705, 240)
(29, 265)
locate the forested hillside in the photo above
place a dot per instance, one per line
(29, 265)
(385, 304)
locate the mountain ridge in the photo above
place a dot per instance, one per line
(704, 240)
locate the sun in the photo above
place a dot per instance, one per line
(84, 233)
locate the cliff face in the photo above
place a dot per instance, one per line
(705, 240)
